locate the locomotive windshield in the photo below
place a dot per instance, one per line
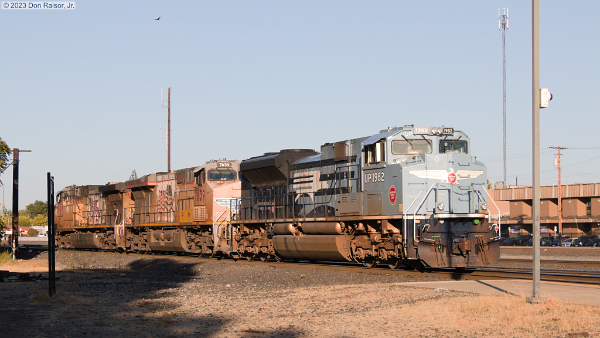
(453, 147)
(411, 147)
(221, 175)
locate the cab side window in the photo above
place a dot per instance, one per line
(453, 147)
(200, 177)
(375, 153)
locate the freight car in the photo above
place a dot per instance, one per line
(410, 196)
(181, 211)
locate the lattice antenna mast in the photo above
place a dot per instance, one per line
(503, 26)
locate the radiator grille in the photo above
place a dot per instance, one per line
(200, 213)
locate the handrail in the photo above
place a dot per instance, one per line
(499, 212)
(218, 228)
(415, 223)
(404, 220)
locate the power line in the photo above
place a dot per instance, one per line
(518, 155)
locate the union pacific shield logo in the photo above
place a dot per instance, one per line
(392, 195)
(452, 178)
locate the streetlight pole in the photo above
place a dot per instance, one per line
(535, 212)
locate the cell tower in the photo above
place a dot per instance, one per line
(503, 25)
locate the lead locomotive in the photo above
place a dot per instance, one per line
(405, 196)
(411, 195)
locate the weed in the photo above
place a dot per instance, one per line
(5, 257)
(508, 314)
(59, 298)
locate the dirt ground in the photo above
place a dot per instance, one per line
(118, 295)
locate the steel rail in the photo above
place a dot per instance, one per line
(591, 277)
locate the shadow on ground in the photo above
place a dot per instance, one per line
(138, 300)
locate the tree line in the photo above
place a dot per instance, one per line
(35, 214)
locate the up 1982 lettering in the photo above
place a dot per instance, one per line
(374, 177)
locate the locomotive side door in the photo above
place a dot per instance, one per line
(374, 176)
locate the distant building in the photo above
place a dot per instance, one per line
(580, 209)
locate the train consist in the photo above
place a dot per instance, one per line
(405, 196)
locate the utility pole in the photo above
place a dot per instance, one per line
(15, 223)
(560, 232)
(169, 132)
(503, 25)
(168, 127)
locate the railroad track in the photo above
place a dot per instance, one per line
(496, 272)
(550, 262)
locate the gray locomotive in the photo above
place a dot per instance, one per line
(405, 196)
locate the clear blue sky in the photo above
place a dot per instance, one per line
(81, 88)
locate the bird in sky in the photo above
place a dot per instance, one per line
(158, 18)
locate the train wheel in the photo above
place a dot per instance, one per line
(263, 257)
(370, 262)
(394, 263)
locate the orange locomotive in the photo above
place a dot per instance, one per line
(187, 210)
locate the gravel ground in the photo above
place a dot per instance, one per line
(119, 295)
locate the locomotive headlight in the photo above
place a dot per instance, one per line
(484, 206)
(440, 206)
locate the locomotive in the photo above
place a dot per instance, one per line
(181, 211)
(410, 196)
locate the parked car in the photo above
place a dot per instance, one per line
(544, 241)
(568, 241)
(522, 239)
(555, 240)
(583, 240)
(594, 242)
(509, 242)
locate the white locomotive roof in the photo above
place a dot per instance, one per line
(377, 137)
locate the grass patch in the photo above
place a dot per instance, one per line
(5, 258)
(510, 315)
(64, 298)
